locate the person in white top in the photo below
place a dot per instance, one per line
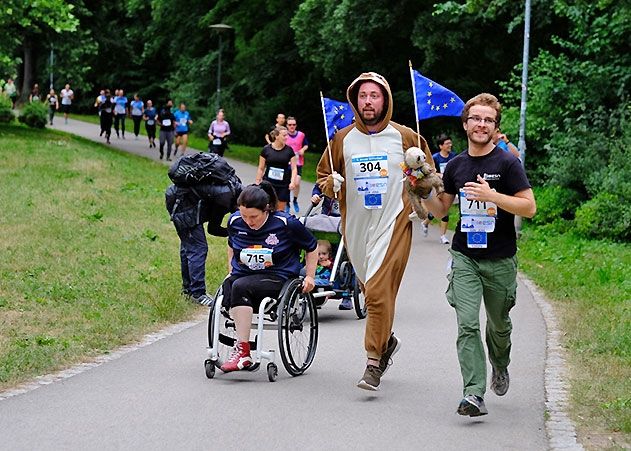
(67, 96)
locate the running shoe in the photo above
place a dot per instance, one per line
(371, 379)
(203, 299)
(444, 239)
(394, 344)
(346, 304)
(296, 207)
(472, 406)
(500, 381)
(425, 229)
(239, 358)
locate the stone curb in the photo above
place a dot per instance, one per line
(79, 368)
(559, 427)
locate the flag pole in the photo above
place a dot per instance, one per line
(418, 131)
(326, 134)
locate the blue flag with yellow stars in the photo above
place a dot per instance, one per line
(434, 100)
(337, 114)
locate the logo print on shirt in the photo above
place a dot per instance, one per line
(272, 239)
(491, 176)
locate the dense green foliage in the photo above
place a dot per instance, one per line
(34, 115)
(6, 113)
(279, 54)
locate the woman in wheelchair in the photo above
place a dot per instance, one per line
(263, 253)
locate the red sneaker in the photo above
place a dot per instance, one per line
(239, 358)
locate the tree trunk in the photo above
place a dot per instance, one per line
(27, 69)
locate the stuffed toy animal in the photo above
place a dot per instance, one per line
(419, 180)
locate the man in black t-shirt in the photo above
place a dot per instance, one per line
(493, 187)
(166, 121)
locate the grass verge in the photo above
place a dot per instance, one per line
(90, 259)
(589, 282)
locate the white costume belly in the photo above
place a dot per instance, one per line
(368, 232)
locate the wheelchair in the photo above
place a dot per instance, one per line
(292, 314)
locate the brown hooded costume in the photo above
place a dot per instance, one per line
(377, 240)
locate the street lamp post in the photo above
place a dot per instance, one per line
(220, 28)
(524, 97)
(52, 62)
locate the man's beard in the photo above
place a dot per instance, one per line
(374, 121)
(484, 142)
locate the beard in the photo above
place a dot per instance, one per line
(477, 139)
(374, 120)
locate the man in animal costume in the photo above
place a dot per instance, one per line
(362, 170)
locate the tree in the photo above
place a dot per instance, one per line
(26, 24)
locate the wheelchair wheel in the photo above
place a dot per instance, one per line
(359, 301)
(227, 336)
(297, 328)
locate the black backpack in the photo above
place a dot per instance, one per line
(203, 168)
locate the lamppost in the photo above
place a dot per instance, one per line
(524, 95)
(52, 62)
(220, 28)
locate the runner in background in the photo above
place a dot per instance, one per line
(137, 109)
(441, 159)
(277, 165)
(166, 121)
(67, 96)
(120, 113)
(299, 143)
(218, 133)
(53, 105)
(280, 122)
(106, 112)
(182, 123)
(149, 116)
(97, 104)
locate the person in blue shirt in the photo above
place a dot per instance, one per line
(263, 253)
(501, 140)
(149, 116)
(137, 108)
(441, 159)
(182, 123)
(120, 112)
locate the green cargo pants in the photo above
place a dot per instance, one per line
(469, 281)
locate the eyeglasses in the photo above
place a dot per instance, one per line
(481, 120)
(291, 125)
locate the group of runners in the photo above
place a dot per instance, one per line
(489, 182)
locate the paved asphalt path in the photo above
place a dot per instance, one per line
(158, 398)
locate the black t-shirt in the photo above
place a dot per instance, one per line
(106, 107)
(165, 116)
(504, 173)
(277, 169)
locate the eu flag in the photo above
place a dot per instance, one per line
(433, 99)
(337, 114)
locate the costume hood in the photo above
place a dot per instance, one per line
(351, 95)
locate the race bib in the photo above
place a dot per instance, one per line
(166, 122)
(150, 122)
(370, 172)
(183, 121)
(256, 258)
(477, 219)
(276, 173)
(217, 142)
(442, 167)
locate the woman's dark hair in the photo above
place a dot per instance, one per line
(261, 196)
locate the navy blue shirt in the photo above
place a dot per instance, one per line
(504, 173)
(272, 249)
(441, 162)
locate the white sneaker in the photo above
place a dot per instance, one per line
(425, 229)
(444, 239)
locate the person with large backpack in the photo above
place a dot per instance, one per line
(205, 189)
